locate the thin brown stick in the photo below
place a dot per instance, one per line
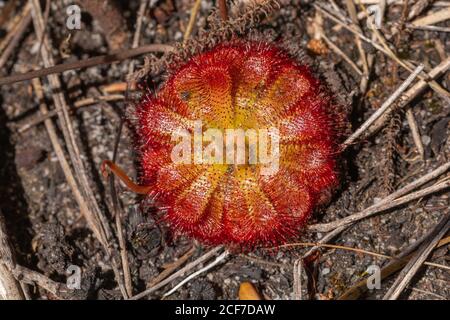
(341, 53)
(412, 93)
(192, 19)
(115, 199)
(177, 274)
(117, 211)
(35, 278)
(173, 266)
(63, 116)
(428, 28)
(357, 250)
(94, 217)
(137, 33)
(433, 18)
(415, 133)
(353, 15)
(408, 66)
(13, 25)
(411, 268)
(77, 104)
(298, 274)
(91, 62)
(51, 130)
(264, 262)
(384, 107)
(218, 259)
(41, 38)
(10, 288)
(223, 9)
(392, 267)
(16, 37)
(390, 201)
(393, 204)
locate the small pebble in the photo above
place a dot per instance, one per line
(426, 140)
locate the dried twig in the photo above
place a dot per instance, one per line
(77, 104)
(94, 217)
(418, 7)
(173, 266)
(433, 18)
(377, 114)
(10, 288)
(219, 259)
(115, 199)
(407, 65)
(137, 32)
(118, 219)
(91, 62)
(223, 9)
(428, 28)
(339, 52)
(394, 199)
(192, 19)
(416, 262)
(415, 132)
(35, 278)
(392, 267)
(357, 250)
(177, 274)
(353, 15)
(17, 35)
(298, 267)
(412, 93)
(385, 206)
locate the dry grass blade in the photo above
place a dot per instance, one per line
(118, 219)
(223, 9)
(377, 114)
(77, 104)
(433, 18)
(357, 290)
(339, 52)
(91, 62)
(94, 217)
(172, 267)
(69, 136)
(298, 273)
(413, 92)
(415, 133)
(177, 274)
(192, 19)
(353, 15)
(10, 288)
(14, 37)
(387, 51)
(219, 259)
(386, 206)
(35, 278)
(411, 268)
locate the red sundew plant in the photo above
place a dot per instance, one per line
(240, 85)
